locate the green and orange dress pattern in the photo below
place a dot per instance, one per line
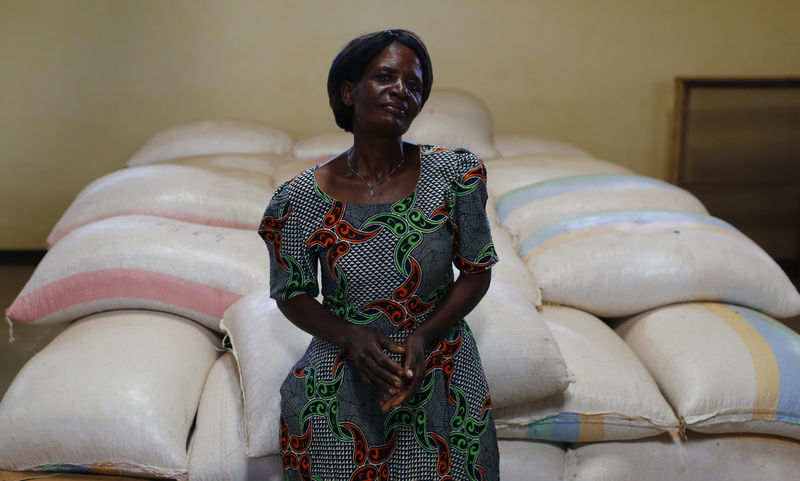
(385, 266)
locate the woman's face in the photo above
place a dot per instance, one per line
(389, 95)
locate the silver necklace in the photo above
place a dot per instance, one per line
(372, 186)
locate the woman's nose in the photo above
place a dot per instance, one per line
(400, 88)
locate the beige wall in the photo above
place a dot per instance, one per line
(83, 83)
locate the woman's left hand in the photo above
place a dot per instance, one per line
(413, 371)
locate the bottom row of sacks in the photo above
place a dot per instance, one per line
(117, 393)
(217, 450)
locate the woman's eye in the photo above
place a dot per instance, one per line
(414, 86)
(383, 77)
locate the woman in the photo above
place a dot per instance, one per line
(391, 386)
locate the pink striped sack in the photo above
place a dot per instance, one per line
(144, 262)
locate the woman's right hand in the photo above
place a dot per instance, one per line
(366, 345)
(367, 348)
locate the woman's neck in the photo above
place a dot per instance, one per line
(374, 158)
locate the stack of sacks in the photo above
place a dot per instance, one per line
(592, 234)
(600, 239)
(520, 357)
(190, 250)
(115, 393)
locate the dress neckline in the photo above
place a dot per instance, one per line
(332, 199)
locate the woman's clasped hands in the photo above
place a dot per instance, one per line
(379, 372)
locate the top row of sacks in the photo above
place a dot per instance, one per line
(450, 117)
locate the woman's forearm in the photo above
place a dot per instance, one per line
(466, 293)
(309, 315)
(366, 346)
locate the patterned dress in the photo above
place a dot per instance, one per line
(385, 266)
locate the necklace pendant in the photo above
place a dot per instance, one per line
(371, 193)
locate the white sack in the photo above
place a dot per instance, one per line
(322, 147)
(530, 461)
(212, 196)
(212, 137)
(491, 212)
(144, 262)
(454, 118)
(263, 163)
(509, 173)
(625, 262)
(724, 368)
(290, 170)
(701, 458)
(613, 396)
(114, 393)
(510, 145)
(266, 346)
(531, 207)
(511, 269)
(217, 448)
(521, 359)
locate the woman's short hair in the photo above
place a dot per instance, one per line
(352, 61)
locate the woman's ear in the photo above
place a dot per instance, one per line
(347, 93)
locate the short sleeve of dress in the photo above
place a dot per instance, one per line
(473, 249)
(293, 266)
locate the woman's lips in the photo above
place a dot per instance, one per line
(395, 109)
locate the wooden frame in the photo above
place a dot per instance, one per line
(683, 96)
(760, 173)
